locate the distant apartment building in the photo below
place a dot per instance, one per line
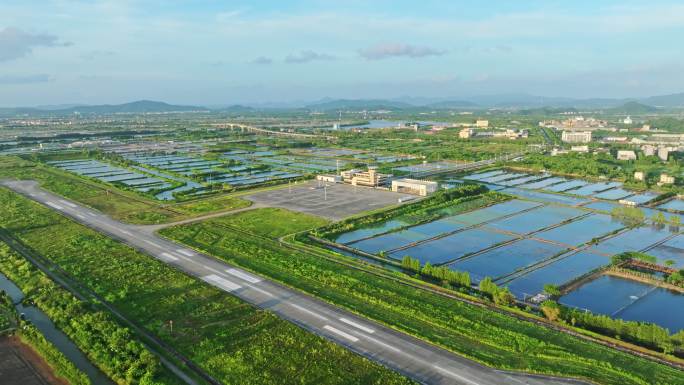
(626, 155)
(627, 120)
(482, 123)
(576, 137)
(414, 186)
(465, 133)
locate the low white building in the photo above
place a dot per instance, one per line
(584, 148)
(329, 178)
(666, 179)
(626, 155)
(639, 175)
(414, 186)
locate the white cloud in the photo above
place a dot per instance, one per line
(384, 51)
(307, 56)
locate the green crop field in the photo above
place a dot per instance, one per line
(233, 341)
(484, 335)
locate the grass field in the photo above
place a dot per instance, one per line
(119, 204)
(233, 341)
(489, 337)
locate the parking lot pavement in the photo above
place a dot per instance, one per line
(334, 201)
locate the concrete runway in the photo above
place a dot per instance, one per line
(412, 357)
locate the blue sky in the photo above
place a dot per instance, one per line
(223, 52)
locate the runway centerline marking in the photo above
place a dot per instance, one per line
(243, 276)
(356, 325)
(68, 203)
(221, 282)
(169, 257)
(126, 232)
(305, 310)
(340, 333)
(185, 252)
(54, 205)
(151, 243)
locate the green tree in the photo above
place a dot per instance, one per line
(552, 290)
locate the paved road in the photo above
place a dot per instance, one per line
(414, 358)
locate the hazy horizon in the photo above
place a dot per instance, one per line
(210, 53)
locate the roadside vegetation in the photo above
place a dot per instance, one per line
(111, 347)
(475, 331)
(228, 338)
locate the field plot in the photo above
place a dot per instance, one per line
(506, 259)
(565, 186)
(613, 194)
(483, 175)
(674, 205)
(594, 188)
(637, 239)
(672, 250)
(518, 181)
(558, 272)
(535, 220)
(542, 183)
(497, 179)
(629, 300)
(545, 197)
(335, 202)
(581, 231)
(402, 238)
(496, 211)
(370, 231)
(111, 174)
(453, 246)
(642, 198)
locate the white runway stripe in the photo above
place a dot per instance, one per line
(221, 282)
(185, 252)
(455, 375)
(54, 205)
(340, 333)
(169, 257)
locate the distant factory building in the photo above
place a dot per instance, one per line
(414, 186)
(576, 137)
(626, 155)
(628, 120)
(370, 178)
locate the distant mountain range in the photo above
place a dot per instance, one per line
(138, 107)
(528, 103)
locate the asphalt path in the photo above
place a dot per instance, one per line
(412, 357)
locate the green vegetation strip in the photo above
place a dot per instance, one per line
(230, 339)
(481, 334)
